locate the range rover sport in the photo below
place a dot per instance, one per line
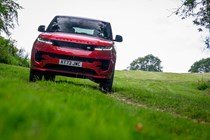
(75, 47)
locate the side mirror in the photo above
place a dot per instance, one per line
(41, 28)
(118, 38)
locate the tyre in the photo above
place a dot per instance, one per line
(35, 75)
(106, 85)
(49, 77)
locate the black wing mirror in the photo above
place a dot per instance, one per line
(118, 38)
(41, 28)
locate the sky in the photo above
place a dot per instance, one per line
(146, 27)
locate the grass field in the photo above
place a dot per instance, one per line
(144, 105)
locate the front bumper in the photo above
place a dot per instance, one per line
(91, 67)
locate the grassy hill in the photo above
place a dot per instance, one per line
(144, 105)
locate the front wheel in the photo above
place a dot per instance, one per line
(106, 85)
(49, 77)
(35, 75)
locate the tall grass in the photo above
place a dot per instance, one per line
(75, 109)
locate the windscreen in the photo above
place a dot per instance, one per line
(76, 25)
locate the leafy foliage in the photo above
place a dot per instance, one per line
(8, 13)
(147, 63)
(9, 54)
(200, 11)
(202, 65)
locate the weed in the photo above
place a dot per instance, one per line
(203, 85)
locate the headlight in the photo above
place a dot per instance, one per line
(103, 48)
(44, 40)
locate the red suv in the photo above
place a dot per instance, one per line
(75, 47)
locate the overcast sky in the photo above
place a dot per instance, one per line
(144, 24)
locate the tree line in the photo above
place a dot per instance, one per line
(153, 63)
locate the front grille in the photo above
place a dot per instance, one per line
(104, 63)
(82, 59)
(75, 70)
(73, 45)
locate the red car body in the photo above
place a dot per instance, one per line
(70, 47)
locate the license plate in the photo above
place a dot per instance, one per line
(70, 63)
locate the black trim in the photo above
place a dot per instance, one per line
(76, 70)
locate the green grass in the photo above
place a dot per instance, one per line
(172, 107)
(170, 92)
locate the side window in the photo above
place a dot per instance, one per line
(109, 31)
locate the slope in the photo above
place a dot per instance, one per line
(69, 108)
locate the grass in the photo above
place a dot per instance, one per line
(170, 92)
(75, 109)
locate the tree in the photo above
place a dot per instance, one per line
(10, 54)
(199, 10)
(147, 63)
(8, 15)
(202, 65)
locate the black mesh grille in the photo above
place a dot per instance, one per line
(70, 69)
(73, 45)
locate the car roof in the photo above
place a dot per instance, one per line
(81, 18)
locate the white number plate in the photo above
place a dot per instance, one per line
(70, 63)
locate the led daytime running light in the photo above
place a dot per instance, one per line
(103, 48)
(43, 40)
